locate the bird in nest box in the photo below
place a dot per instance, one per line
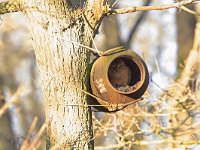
(119, 73)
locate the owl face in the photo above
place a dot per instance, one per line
(119, 73)
(117, 66)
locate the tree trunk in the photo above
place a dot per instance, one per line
(185, 25)
(55, 28)
(190, 75)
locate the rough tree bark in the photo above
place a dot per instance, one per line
(56, 26)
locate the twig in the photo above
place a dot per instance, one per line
(12, 101)
(96, 51)
(115, 3)
(179, 5)
(119, 106)
(189, 10)
(180, 103)
(25, 143)
(170, 95)
(90, 34)
(39, 134)
(156, 142)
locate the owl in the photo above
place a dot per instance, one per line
(119, 73)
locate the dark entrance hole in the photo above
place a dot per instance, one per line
(124, 72)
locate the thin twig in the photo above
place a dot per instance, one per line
(189, 10)
(39, 134)
(25, 143)
(96, 51)
(90, 34)
(115, 3)
(156, 142)
(12, 101)
(119, 106)
(170, 95)
(180, 103)
(179, 5)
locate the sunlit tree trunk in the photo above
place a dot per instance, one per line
(56, 27)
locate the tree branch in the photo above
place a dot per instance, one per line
(8, 7)
(179, 5)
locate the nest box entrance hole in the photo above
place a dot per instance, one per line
(123, 71)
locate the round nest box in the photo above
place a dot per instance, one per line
(118, 79)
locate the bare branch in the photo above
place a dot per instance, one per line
(8, 7)
(189, 10)
(179, 5)
(12, 101)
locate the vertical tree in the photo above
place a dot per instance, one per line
(63, 66)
